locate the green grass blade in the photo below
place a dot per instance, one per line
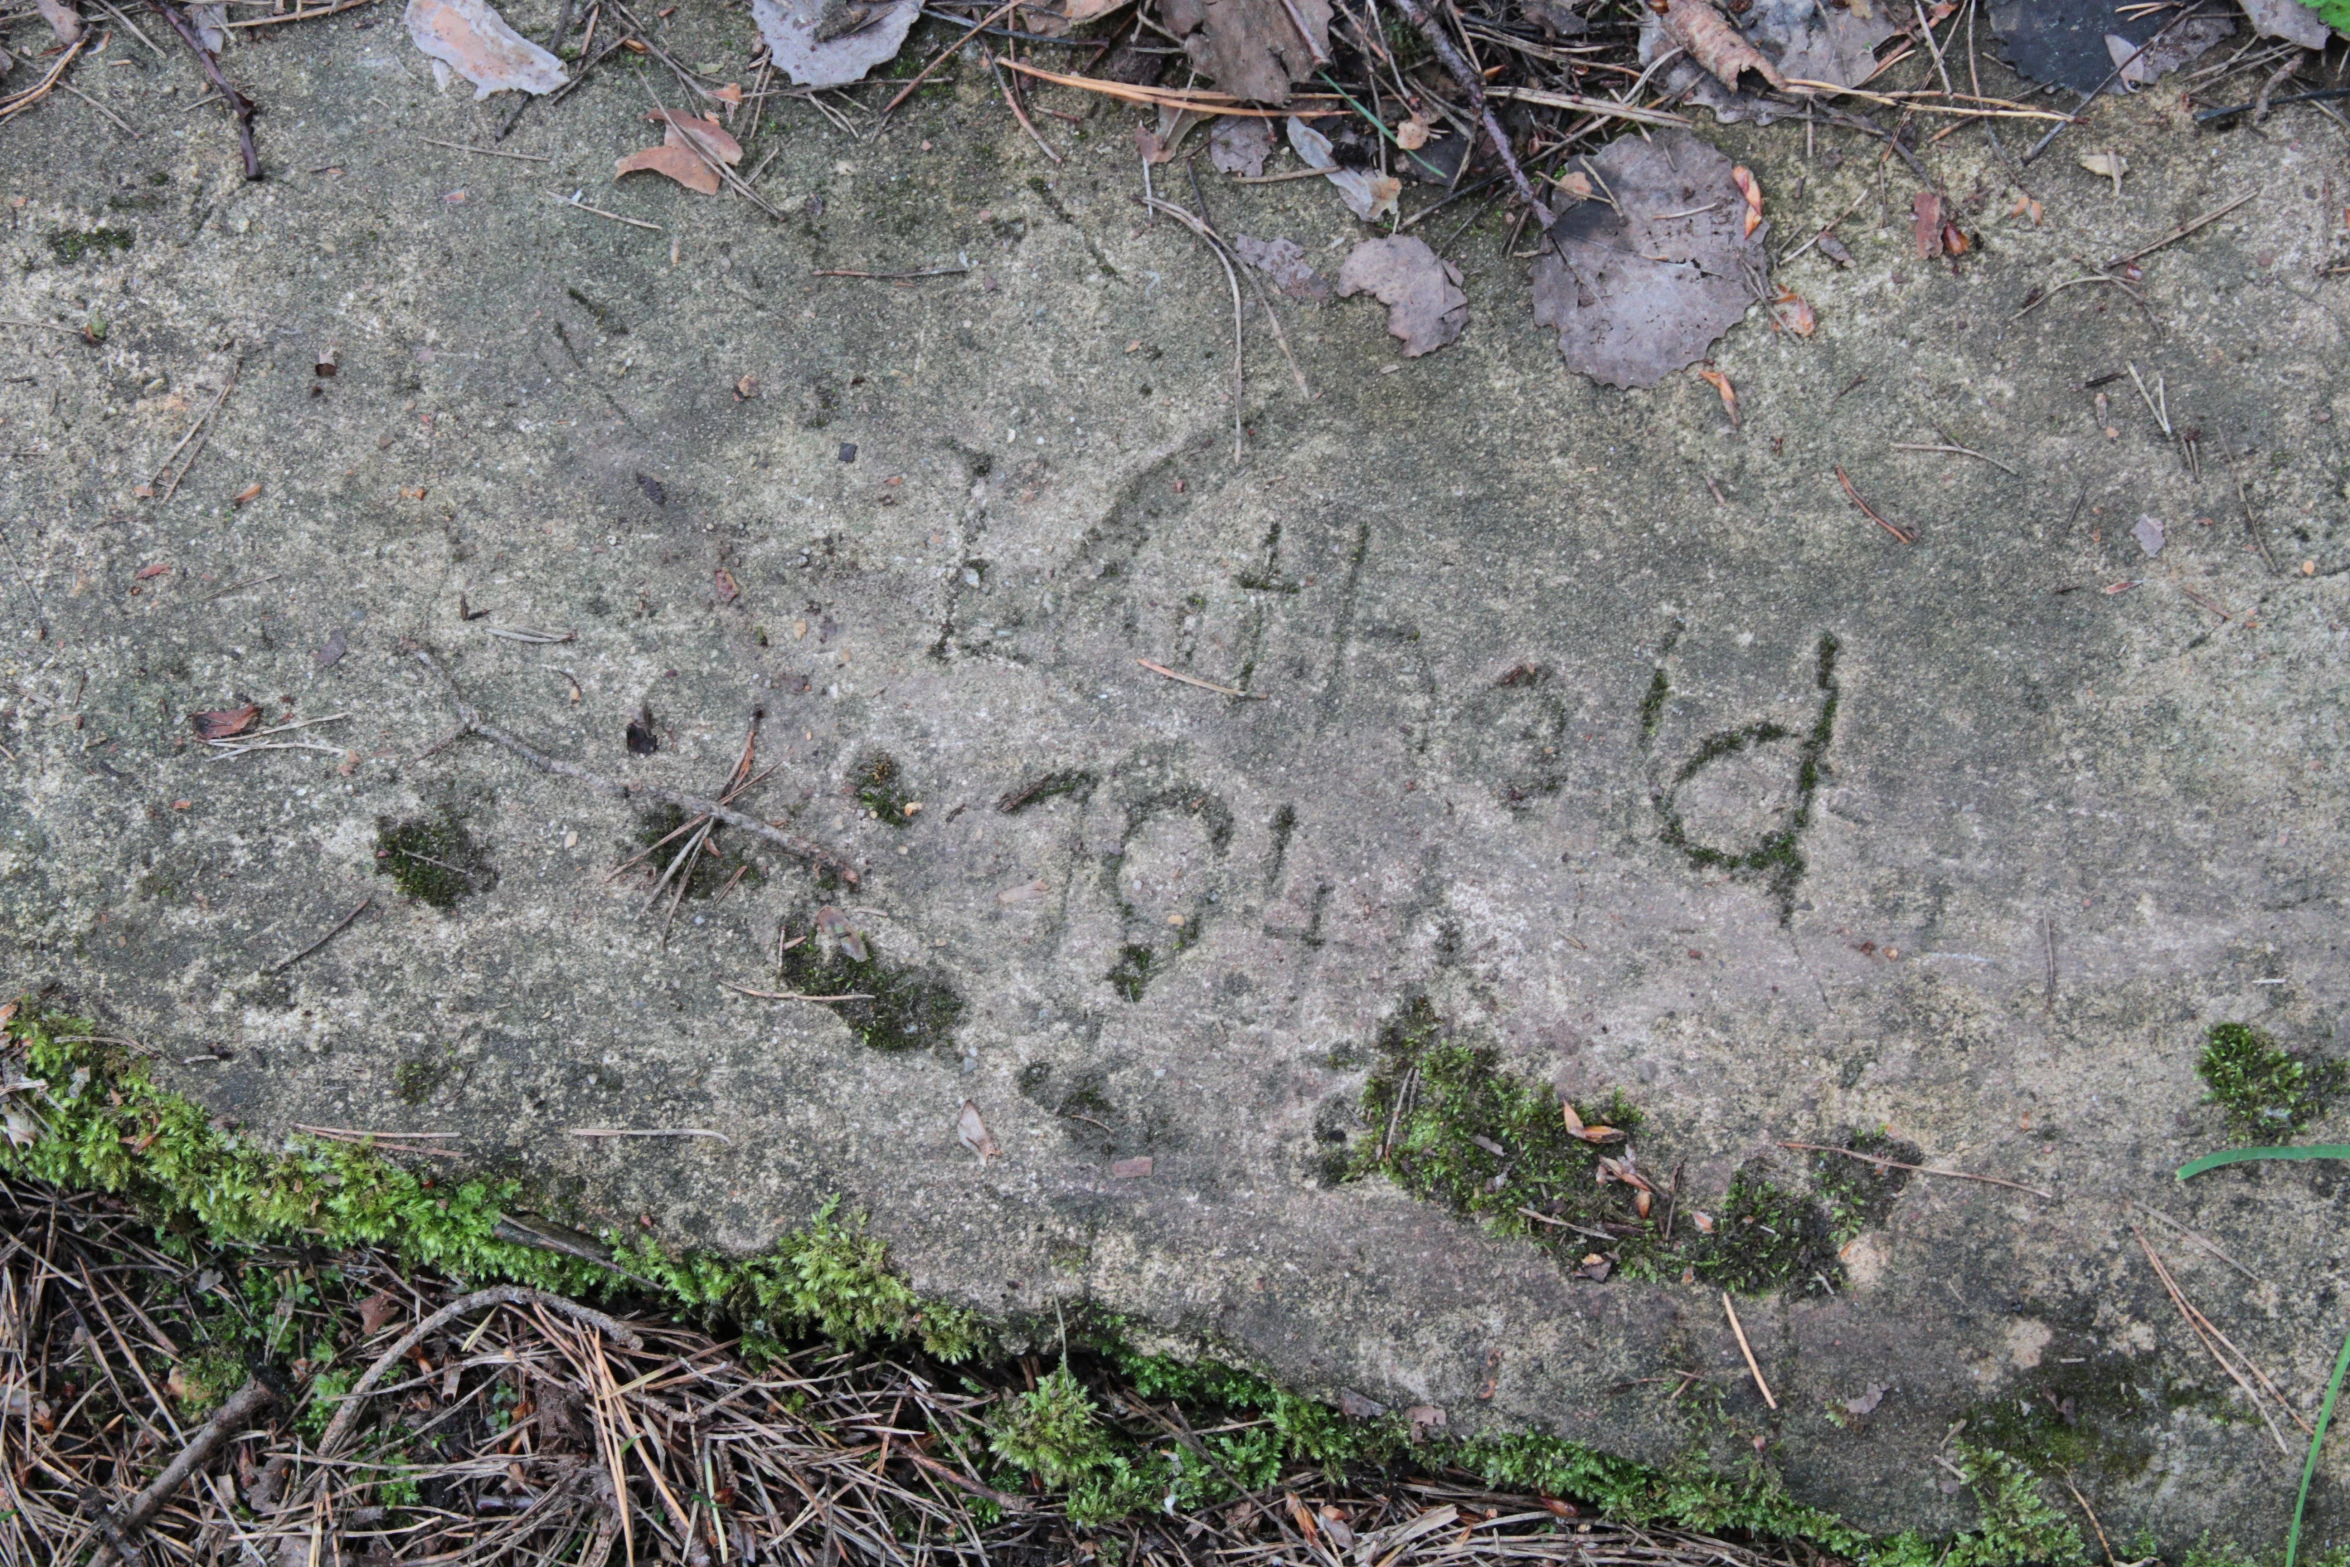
(2325, 1415)
(2212, 1161)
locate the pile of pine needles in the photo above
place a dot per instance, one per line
(343, 1409)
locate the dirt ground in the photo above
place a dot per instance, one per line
(2046, 807)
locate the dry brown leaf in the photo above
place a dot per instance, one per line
(1575, 185)
(1251, 48)
(1751, 189)
(247, 493)
(675, 159)
(1640, 286)
(1703, 1220)
(225, 722)
(466, 36)
(1925, 211)
(1131, 1169)
(1796, 312)
(2107, 166)
(375, 1311)
(971, 1131)
(1413, 133)
(1368, 196)
(1713, 43)
(1284, 261)
(1421, 290)
(712, 136)
(731, 95)
(1721, 384)
(1026, 892)
(146, 573)
(1238, 145)
(832, 923)
(728, 589)
(7, 1012)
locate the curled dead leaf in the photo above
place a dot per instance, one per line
(674, 159)
(1703, 1220)
(833, 925)
(1713, 42)
(1795, 312)
(2107, 166)
(1751, 189)
(971, 1131)
(1721, 384)
(712, 137)
(1413, 133)
(1925, 211)
(225, 722)
(1284, 261)
(1238, 145)
(728, 589)
(375, 1311)
(247, 493)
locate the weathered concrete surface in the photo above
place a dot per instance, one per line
(536, 416)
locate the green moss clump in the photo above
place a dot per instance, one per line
(1073, 783)
(414, 1081)
(1859, 1195)
(2266, 1092)
(1767, 1237)
(1130, 976)
(433, 860)
(71, 246)
(1050, 1432)
(2056, 1417)
(1445, 1123)
(100, 1124)
(898, 1007)
(881, 789)
(2019, 1527)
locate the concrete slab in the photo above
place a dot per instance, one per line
(1614, 734)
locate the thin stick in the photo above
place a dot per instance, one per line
(1919, 1169)
(1955, 451)
(694, 805)
(1870, 512)
(2182, 231)
(1164, 97)
(501, 1295)
(2227, 449)
(1194, 680)
(353, 1131)
(1823, 231)
(239, 105)
(2172, 1289)
(945, 54)
(487, 152)
(341, 925)
(1199, 229)
(1018, 113)
(578, 205)
(1747, 1350)
(1605, 108)
(1473, 83)
(664, 1131)
(791, 995)
(885, 277)
(302, 16)
(127, 129)
(242, 1406)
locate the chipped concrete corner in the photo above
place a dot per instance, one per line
(1613, 733)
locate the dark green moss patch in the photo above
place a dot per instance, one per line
(1443, 1121)
(2267, 1092)
(1767, 1237)
(70, 245)
(1859, 1195)
(898, 1007)
(880, 786)
(1776, 859)
(414, 1081)
(2058, 1418)
(1130, 976)
(433, 860)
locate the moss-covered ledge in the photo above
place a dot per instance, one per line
(83, 1113)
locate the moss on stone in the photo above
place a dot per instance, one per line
(1767, 1237)
(1857, 1194)
(881, 788)
(72, 245)
(1444, 1122)
(2267, 1092)
(896, 1007)
(2059, 1418)
(432, 859)
(711, 872)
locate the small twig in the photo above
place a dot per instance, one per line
(1870, 512)
(1919, 1169)
(1199, 229)
(1747, 1350)
(355, 1131)
(581, 206)
(239, 105)
(791, 995)
(663, 1131)
(1194, 680)
(693, 805)
(2204, 1335)
(885, 277)
(486, 152)
(1955, 451)
(2181, 232)
(2227, 449)
(945, 55)
(2206, 116)
(1473, 83)
(1019, 113)
(341, 925)
(242, 1406)
(530, 636)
